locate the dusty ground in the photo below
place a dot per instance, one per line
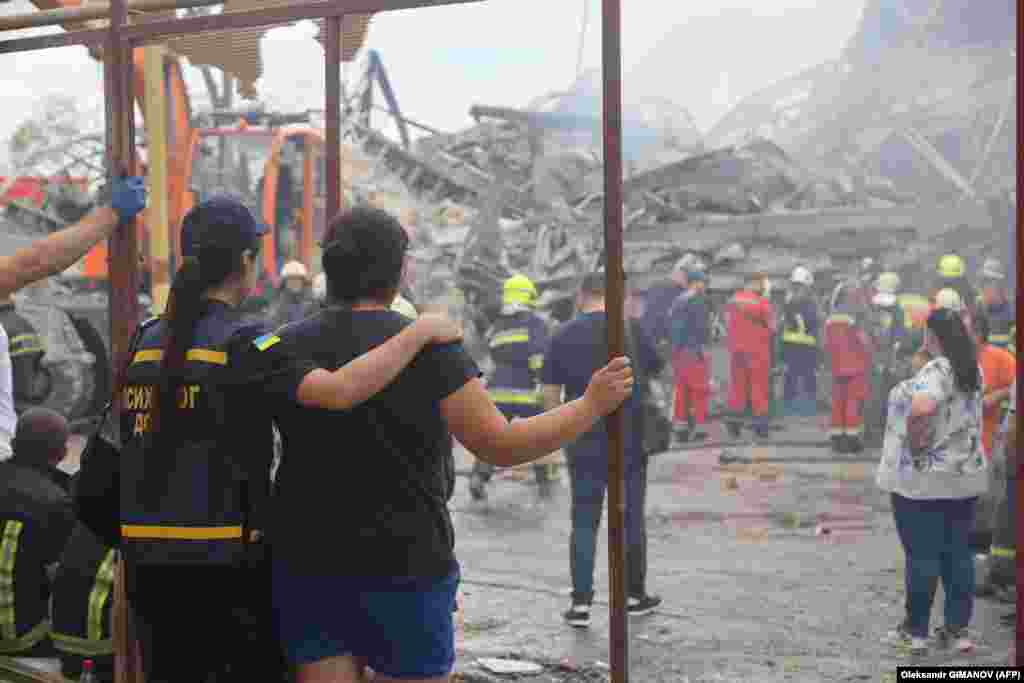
(751, 591)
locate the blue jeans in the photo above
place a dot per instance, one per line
(936, 541)
(588, 470)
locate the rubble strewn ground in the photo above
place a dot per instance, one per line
(753, 590)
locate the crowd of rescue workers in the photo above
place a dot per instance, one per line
(257, 545)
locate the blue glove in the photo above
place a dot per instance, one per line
(128, 197)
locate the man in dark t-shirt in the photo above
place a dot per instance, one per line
(576, 351)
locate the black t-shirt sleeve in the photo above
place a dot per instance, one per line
(269, 365)
(443, 369)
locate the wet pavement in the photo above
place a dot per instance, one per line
(769, 571)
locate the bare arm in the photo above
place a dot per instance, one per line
(359, 379)
(475, 421)
(56, 252)
(479, 426)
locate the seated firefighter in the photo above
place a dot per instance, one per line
(36, 519)
(81, 608)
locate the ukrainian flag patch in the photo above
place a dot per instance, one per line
(266, 341)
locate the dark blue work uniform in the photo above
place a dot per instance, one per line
(577, 351)
(516, 343)
(800, 354)
(194, 499)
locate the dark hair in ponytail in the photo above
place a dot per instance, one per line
(958, 347)
(211, 266)
(363, 253)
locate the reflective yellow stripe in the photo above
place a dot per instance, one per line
(26, 350)
(98, 597)
(515, 335)
(536, 361)
(789, 337)
(207, 356)
(27, 641)
(200, 355)
(996, 551)
(8, 553)
(840, 318)
(999, 338)
(82, 647)
(855, 431)
(523, 397)
(181, 533)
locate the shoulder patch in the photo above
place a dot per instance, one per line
(266, 341)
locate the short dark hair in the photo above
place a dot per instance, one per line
(41, 437)
(594, 283)
(363, 253)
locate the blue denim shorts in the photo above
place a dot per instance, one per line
(404, 628)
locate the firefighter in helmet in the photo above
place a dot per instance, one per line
(516, 341)
(951, 273)
(800, 344)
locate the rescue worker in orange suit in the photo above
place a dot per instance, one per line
(517, 341)
(688, 320)
(800, 345)
(849, 350)
(995, 302)
(750, 326)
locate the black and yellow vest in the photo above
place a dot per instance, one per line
(82, 597)
(184, 493)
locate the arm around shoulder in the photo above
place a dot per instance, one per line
(360, 379)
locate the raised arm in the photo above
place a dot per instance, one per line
(58, 251)
(361, 378)
(478, 425)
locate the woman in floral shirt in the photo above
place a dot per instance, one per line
(932, 464)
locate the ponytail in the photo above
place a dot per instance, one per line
(210, 267)
(957, 347)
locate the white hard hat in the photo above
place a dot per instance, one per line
(884, 299)
(802, 276)
(294, 269)
(993, 269)
(320, 287)
(948, 298)
(401, 305)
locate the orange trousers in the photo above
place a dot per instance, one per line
(692, 388)
(848, 396)
(749, 377)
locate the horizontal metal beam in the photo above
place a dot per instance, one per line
(70, 15)
(63, 39)
(269, 16)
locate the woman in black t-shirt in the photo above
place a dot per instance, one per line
(364, 565)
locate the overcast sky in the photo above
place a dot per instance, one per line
(704, 55)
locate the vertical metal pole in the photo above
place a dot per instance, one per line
(157, 215)
(612, 67)
(123, 274)
(332, 114)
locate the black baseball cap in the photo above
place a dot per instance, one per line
(220, 221)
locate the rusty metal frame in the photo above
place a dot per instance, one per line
(119, 39)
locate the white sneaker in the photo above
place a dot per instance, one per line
(900, 638)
